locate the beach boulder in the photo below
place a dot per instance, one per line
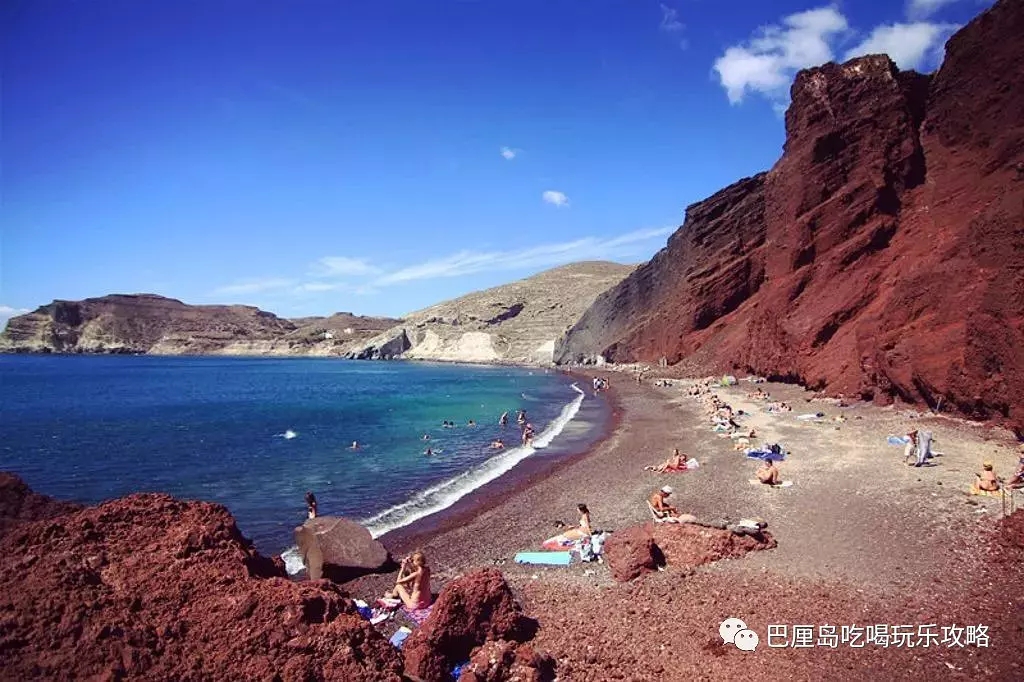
(502, 661)
(631, 552)
(469, 611)
(338, 549)
(686, 545)
(636, 550)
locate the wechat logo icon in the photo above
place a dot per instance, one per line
(735, 631)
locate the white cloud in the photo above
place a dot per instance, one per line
(318, 287)
(7, 312)
(911, 46)
(508, 153)
(768, 61)
(670, 20)
(342, 266)
(920, 9)
(545, 255)
(555, 198)
(630, 246)
(255, 286)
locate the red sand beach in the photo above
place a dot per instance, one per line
(862, 540)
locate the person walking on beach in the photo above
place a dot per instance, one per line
(311, 504)
(413, 583)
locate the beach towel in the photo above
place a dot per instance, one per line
(897, 440)
(975, 490)
(784, 484)
(398, 639)
(544, 558)
(417, 615)
(766, 455)
(389, 603)
(558, 542)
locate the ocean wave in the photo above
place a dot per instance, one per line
(293, 561)
(445, 494)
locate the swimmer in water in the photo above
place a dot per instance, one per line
(471, 423)
(497, 444)
(428, 452)
(503, 421)
(426, 436)
(354, 446)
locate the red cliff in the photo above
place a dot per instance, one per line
(881, 257)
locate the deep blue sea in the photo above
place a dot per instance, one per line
(256, 433)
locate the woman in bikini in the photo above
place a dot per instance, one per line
(583, 530)
(413, 584)
(677, 462)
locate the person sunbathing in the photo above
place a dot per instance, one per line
(769, 473)
(583, 530)
(677, 462)
(413, 583)
(659, 503)
(987, 479)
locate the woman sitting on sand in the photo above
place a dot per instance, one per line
(769, 473)
(987, 479)
(413, 583)
(583, 530)
(677, 462)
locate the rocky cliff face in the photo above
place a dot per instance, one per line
(146, 323)
(517, 322)
(881, 257)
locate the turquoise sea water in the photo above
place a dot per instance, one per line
(255, 434)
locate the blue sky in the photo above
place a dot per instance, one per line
(313, 156)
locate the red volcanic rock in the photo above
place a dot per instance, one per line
(631, 552)
(469, 611)
(150, 587)
(1007, 543)
(502, 661)
(18, 503)
(636, 550)
(689, 545)
(881, 257)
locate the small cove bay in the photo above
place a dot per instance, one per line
(254, 434)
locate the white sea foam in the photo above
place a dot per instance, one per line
(293, 561)
(447, 493)
(287, 435)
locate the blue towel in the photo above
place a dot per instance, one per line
(548, 558)
(398, 639)
(897, 440)
(766, 455)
